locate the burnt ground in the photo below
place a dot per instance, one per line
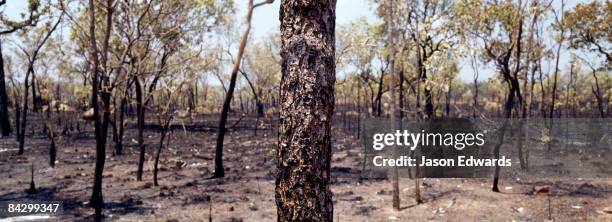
(247, 191)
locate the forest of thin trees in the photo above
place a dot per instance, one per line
(127, 70)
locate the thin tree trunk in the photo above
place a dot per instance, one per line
(219, 171)
(395, 122)
(597, 92)
(17, 119)
(379, 94)
(24, 112)
(114, 129)
(100, 124)
(141, 121)
(359, 103)
(543, 89)
(52, 147)
(5, 125)
(34, 96)
(553, 95)
(475, 98)
(448, 97)
(163, 133)
(401, 93)
(120, 127)
(532, 87)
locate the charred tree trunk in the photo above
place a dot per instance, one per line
(597, 92)
(24, 112)
(34, 95)
(114, 129)
(372, 112)
(448, 98)
(395, 122)
(17, 119)
(52, 147)
(5, 125)
(100, 87)
(120, 127)
(532, 88)
(553, 97)
(401, 93)
(307, 106)
(358, 109)
(121, 124)
(514, 90)
(219, 172)
(163, 133)
(475, 98)
(428, 109)
(140, 120)
(379, 94)
(191, 100)
(542, 106)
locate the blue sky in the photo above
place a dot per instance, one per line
(265, 21)
(265, 18)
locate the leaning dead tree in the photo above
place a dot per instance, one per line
(306, 108)
(219, 172)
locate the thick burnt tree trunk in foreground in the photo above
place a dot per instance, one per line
(307, 104)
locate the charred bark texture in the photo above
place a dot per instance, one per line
(5, 125)
(307, 104)
(141, 115)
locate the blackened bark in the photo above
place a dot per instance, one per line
(511, 78)
(141, 115)
(100, 87)
(163, 133)
(448, 98)
(113, 123)
(428, 109)
(401, 93)
(34, 95)
(120, 127)
(17, 119)
(307, 104)
(358, 109)
(597, 92)
(379, 93)
(542, 106)
(24, 113)
(5, 125)
(52, 148)
(395, 124)
(219, 172)
(191, 100)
